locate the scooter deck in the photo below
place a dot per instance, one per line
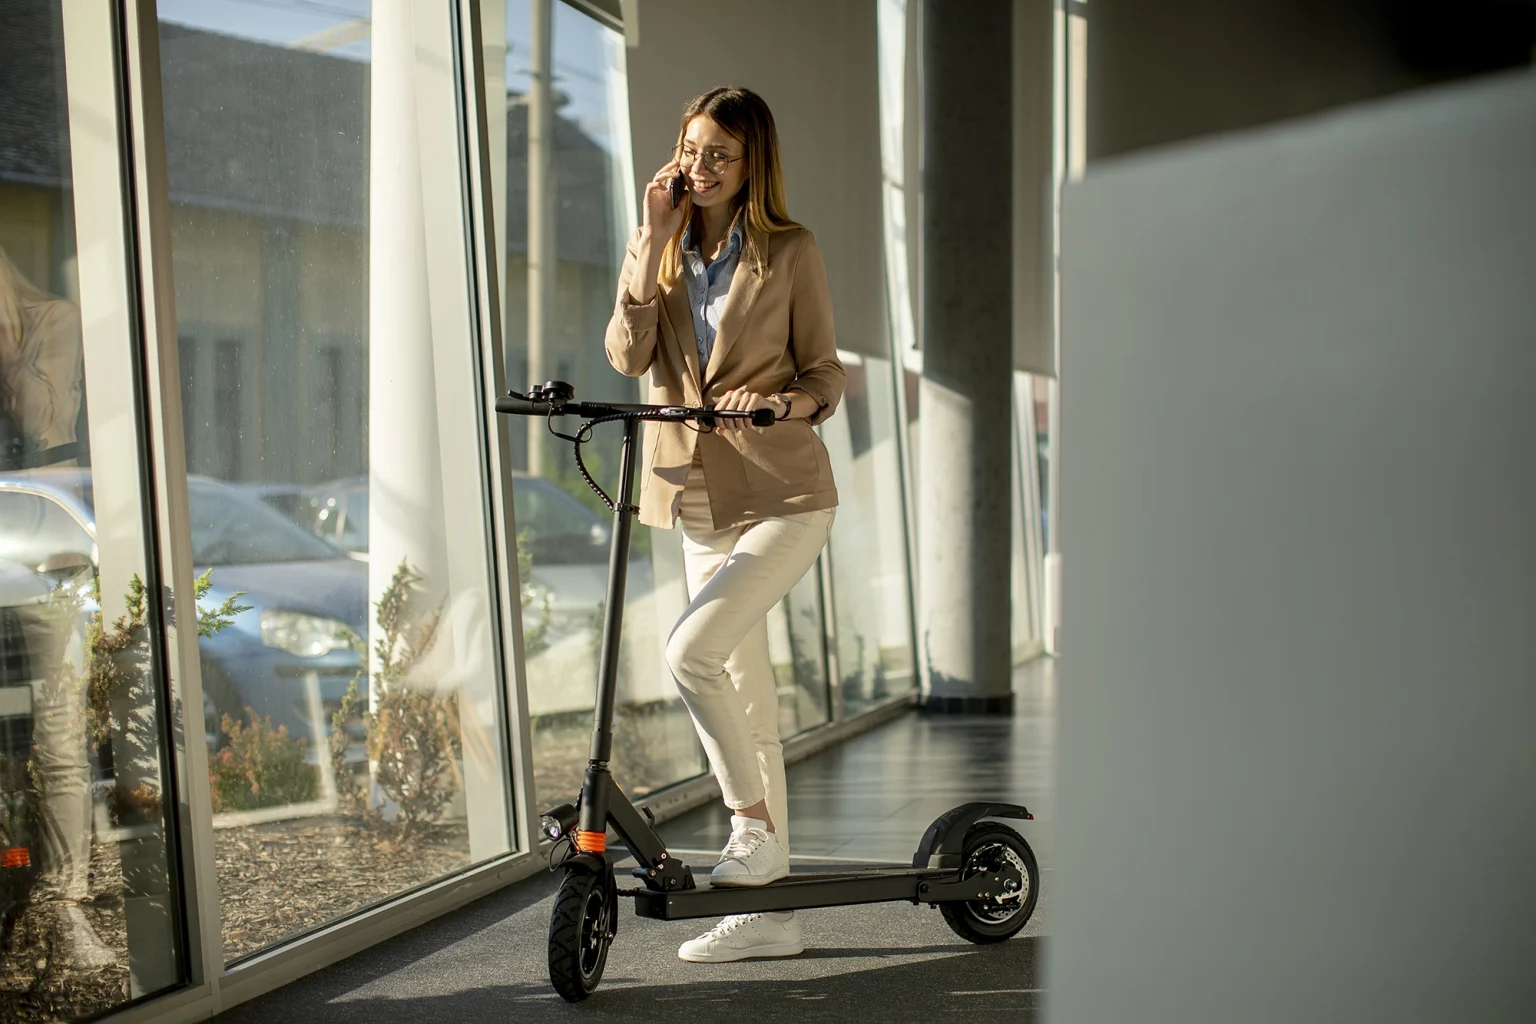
(805, 891)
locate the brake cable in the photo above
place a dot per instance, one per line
(583, 435)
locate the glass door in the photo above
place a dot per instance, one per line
(353, 699)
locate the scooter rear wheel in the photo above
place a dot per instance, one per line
(580, 930)
(995, 848)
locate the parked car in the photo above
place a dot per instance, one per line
(285, 657)
(289, 499)
(565, 540)
(557, 529)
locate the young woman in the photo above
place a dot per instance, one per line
(723, 301)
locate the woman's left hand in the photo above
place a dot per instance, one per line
(742, 400)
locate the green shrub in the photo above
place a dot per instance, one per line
(261, 767)
(413, 738)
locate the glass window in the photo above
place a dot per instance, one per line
(556, 529)
(90, 911)
(869, 558)
(353, 707)
(230, 527)
(797, 649)
(554, 328)
(557, 309)
(39, 533)
(1039, 409)
(1028, 516)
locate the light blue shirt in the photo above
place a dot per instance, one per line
(708, 288)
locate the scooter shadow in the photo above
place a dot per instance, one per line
(894, 952)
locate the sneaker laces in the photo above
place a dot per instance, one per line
(726, 925)
(744, 844)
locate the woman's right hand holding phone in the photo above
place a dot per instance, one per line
(659, 222)
(661, 219)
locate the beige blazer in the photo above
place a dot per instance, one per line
(775, 334)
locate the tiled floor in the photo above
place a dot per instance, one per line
(869, 799)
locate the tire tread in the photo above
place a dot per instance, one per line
(565, 936)
(954, 913)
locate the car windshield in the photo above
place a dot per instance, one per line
(232, 528)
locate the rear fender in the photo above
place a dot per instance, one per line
(944, 842)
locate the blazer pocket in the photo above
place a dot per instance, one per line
(782, 457)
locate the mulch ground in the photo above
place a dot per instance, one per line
(287, 877)
(275, 881)
(281, 879)
(36, 982)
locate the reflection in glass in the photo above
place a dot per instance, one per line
(797, 649)
(563, 528)
(89, 914)
(1039, 408)
(351, 707)
(554, 330)
(869, 563)
(1028, 516)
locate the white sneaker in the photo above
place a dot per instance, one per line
(746, 935)
(752, 857)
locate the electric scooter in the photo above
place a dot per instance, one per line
(979, 872)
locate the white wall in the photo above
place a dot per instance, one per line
(1299, 501)
(814, 62)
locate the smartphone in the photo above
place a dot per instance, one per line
(679, 186)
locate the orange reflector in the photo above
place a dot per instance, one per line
(591, 842)
(16, 857)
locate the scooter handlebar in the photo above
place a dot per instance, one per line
(517, 405)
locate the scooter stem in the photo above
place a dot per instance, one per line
(613, 610)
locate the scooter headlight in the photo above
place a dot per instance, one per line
(558, 822)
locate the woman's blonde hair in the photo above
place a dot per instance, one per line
(760, 204)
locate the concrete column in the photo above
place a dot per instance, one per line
(404, 481)
(963, 525)
(1300, 594)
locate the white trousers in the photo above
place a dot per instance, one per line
(59, 755)
(718, 651)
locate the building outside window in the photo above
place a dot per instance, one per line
(354, 735)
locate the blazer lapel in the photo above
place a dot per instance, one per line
(745, 285)
(684, 348)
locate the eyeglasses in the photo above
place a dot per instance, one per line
(713, 161)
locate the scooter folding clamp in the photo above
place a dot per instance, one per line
(669, 875)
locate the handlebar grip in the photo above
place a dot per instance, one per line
(521, 406)
(762, 417)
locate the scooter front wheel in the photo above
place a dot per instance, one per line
(996, 849)
(580, 930)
